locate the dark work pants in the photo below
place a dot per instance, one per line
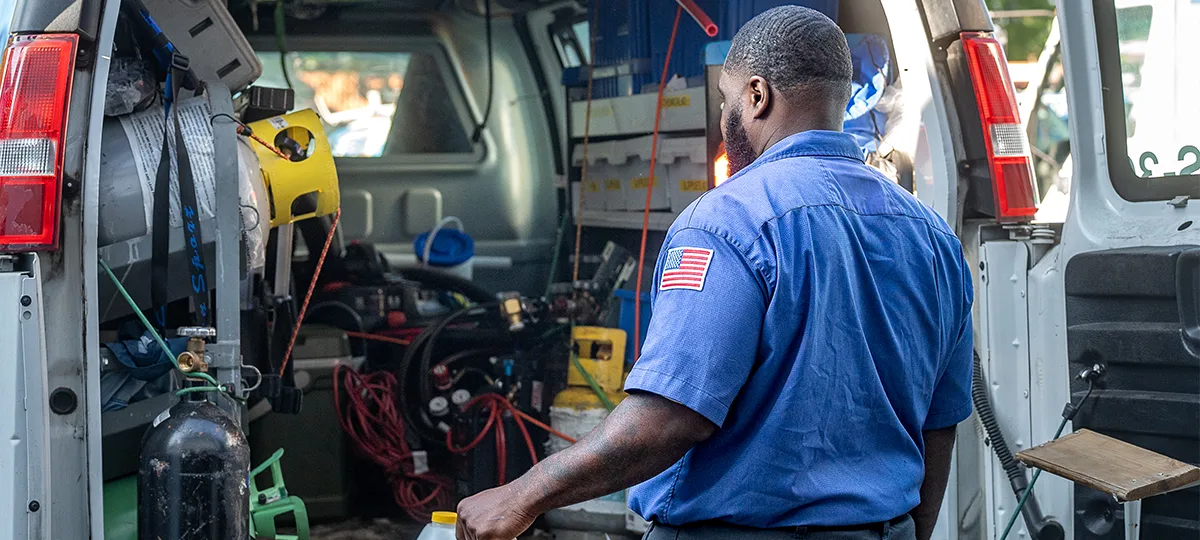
(900, 529)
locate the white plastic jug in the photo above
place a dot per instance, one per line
(441, 527)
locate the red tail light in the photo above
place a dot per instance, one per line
(1008, 147)
(34, 94)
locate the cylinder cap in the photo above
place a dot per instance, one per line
(445, 518)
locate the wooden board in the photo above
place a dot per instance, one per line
(1128, 472)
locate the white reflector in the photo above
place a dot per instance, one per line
(1009, 140)
(28, 157)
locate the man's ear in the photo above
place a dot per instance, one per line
(760, 97)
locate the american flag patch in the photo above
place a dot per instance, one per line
(685, 268)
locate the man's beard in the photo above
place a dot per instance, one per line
(737, 144)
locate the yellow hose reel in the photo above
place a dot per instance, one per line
(305, 185)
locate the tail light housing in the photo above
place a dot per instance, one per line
(34, 95)
(1009, 157)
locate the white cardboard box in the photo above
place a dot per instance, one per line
(594, 196)
(687, 170)
(637, 176)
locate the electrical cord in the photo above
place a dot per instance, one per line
(246, 131)
(662, 87)
(497, 406)
(281, 42)
(491, 87)
(369, 418)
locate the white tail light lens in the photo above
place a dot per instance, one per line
(34, 94)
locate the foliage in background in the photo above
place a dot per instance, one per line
(1026, 35)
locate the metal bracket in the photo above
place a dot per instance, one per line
(1036, 233)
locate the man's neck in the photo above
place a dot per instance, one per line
(798, 125)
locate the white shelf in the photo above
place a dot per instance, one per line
(659, 221)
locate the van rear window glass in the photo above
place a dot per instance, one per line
(1152, 109)
(375, 104)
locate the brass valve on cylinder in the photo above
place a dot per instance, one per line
(193, 360)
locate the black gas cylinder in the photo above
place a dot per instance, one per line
(192, 475)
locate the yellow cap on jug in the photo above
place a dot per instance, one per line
(445, 518)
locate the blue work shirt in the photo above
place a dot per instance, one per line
(821, 317)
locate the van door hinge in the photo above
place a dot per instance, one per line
(1035, 233)
(1180, 201)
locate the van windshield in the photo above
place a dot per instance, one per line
(1151, 107)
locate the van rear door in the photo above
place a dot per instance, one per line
(1123, 288)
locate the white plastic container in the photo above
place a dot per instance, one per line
(687, 170)
(441, 527)
(602, 514)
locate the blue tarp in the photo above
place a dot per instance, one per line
(146, 372)
(872, 73)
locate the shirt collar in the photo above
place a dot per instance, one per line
(814, 144)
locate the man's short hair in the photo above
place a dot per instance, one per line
(794, 48)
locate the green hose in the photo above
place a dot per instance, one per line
(214, 385)
(1029, 490)
(281, 41)
(608, 404)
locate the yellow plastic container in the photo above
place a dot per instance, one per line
(601, 351)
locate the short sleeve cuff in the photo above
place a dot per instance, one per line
(678, 390)
(945, 419)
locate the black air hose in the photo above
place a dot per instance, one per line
(1040, 526)
(450, 282)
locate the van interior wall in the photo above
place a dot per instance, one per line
(502, 188)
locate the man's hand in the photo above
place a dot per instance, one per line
(641, 438)
(495, 514)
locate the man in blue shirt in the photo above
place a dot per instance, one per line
(810, 350)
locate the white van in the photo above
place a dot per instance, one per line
(1117, 283)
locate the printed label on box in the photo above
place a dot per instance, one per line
(677, 101)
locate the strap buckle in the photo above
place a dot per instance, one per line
(180, 62)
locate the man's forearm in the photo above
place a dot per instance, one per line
(939, 446)
(641, 438)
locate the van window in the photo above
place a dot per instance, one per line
(1151, 109)
(377, 104)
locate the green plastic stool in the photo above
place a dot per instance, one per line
(274, 501)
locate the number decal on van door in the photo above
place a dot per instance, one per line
(1195, 165)
(1148, 159)
(1147, 156)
